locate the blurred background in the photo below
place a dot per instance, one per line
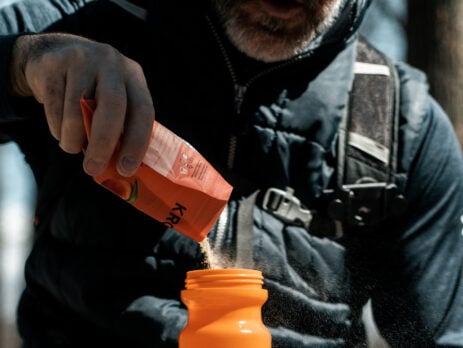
(17, 196)
(427, 34)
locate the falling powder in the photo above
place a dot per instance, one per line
(207, 252)
(212, 260)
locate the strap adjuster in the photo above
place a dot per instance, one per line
(286, 206)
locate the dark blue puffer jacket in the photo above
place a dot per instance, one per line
(102, 273)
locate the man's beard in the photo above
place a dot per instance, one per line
(272, 39)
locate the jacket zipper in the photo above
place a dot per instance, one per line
(240, 89)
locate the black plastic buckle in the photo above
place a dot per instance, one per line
(285, 206)
(366, 204)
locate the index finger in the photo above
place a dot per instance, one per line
(138, 125)
(107, 122)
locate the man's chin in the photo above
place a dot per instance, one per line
(266, 47)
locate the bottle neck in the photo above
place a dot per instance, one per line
(229, 278)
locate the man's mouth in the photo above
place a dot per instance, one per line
(282, 9)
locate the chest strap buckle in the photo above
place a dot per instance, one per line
(285, 206)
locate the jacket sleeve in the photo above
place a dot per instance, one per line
(420, 295)
(27, 16)
(81, 17)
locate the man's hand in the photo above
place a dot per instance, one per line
(59, 69)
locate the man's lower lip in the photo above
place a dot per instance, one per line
(279, 9)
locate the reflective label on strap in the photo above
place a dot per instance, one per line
(371, 69)
(369, 146)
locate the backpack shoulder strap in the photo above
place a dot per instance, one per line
(365, 191)
(368, 148)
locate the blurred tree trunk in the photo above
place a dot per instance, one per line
(435, 45)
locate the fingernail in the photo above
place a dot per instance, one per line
(94, 167)
(128, 165)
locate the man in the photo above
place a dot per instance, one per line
(259, 87)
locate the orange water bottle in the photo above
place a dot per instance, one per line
(224, 309)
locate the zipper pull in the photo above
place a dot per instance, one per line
(232, 144)
(239, 97)
(240, 90)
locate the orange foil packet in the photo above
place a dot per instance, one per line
(174, 184)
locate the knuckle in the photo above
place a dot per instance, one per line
(133, 67)
(76, 54)
(108, 56)
(53, 117)
(107, 51)
(72, 123)
(103, 142)
(51, 88)
(145, 112)
(135, 144)
(115, 100)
